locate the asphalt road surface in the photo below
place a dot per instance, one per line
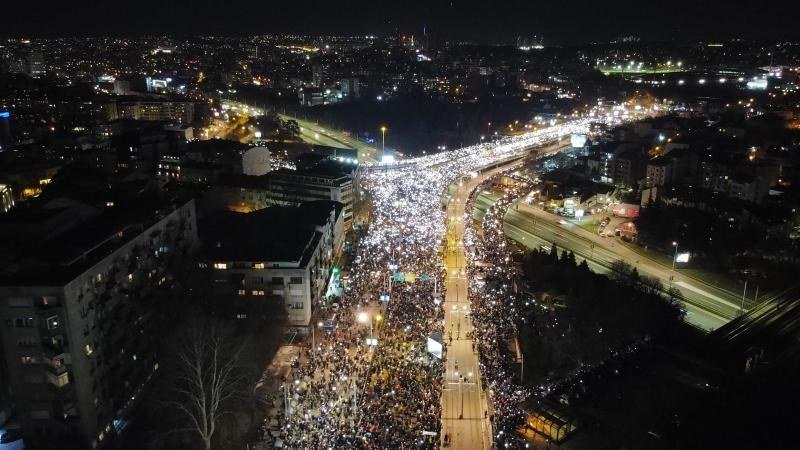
(464, 403)
(707, 306)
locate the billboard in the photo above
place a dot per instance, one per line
(578, 140)
(625, 210)
(434, 346)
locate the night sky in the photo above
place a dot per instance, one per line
(559, 21)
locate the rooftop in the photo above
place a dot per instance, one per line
(56, 261)
(276, 234)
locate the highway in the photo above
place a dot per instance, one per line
(316, 134)
(707, 306)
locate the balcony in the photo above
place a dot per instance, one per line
(58, 363)
(51, 349)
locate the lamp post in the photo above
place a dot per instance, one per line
(744, 293)
(364, 317)
(383, 140)
(313, 339)
(461, 394)
(674, 258)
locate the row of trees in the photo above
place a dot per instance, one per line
(589, 316)
(272, 126)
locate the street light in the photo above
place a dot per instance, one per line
(674, 258)
(313, 339)
(383, 140)
(364, 317)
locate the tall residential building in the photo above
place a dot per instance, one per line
(81, 319)
(318, 74)
(35, 64)
(350, 88)
(6, 199)
(278, 254)
(5, 130)
(181, 112)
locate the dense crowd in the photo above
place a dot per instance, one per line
(495, 303)
(387, 394)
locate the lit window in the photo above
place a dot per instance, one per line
(242, 292)
(258, 266)
(59, 380)
(28, 360)
(88, 350)
(258, 293)
(220, 266)
(52, 322)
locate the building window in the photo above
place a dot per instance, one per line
(259, 293)
(28, 360)
(277, 280)
(296, 280)
(202, 265)
(220, 266)
(52, 322)
(242, 292)
(258, 266)
(26, 342)
(62, 380)
(88, 350)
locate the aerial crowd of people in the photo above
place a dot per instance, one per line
(369, 381)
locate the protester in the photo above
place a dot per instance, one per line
(349, 394)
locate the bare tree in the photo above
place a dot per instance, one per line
(207, 380)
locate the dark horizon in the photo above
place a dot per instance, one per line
(563, 23)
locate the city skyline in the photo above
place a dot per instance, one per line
(561, 23)
(353, 226)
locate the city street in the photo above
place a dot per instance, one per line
(464, 405)
(313, 133)
(371, 377)
(707, 306)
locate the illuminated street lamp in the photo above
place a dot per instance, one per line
(383, 140)
(313, 338)
(674, 258)
(364, 317)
